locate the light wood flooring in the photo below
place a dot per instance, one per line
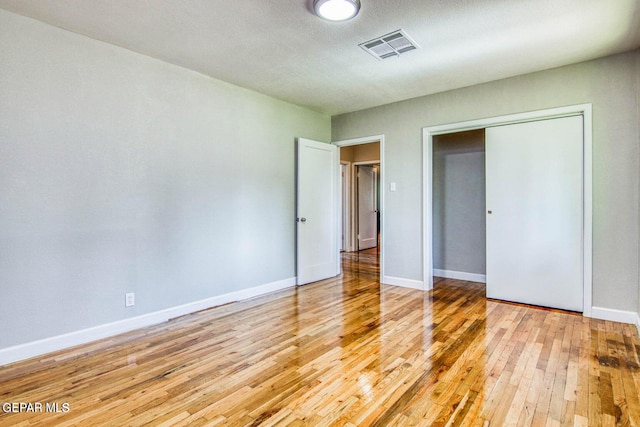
(345, 352)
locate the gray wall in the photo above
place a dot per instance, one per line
(459, 226)
(120, 173)
(610, 84)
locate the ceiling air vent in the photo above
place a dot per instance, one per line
(390, 45)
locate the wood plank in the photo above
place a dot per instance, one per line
(346, 351)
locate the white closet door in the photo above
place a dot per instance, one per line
(534, 212)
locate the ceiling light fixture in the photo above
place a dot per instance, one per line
(336, 10)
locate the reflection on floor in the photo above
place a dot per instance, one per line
(346, 352)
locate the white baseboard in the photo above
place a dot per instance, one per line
(459, 275)
(405, 283)
(615, 315)
(638, 322)
(83, 336)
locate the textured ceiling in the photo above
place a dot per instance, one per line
(277, 47)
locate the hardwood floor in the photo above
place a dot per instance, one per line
(344, 352)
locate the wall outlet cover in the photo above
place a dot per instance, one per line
(129, 299)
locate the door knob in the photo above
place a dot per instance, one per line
(302, 219)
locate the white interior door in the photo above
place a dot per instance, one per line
(534, 212)
(318, 211)
(367, 208)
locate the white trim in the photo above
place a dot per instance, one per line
(638, 322)
(83, 336)
(427, 208)
(367, 140)
(360, 141)
(615, 315)
(427, 224)
(587, 212)
(404, 283)
(346, 205)
(529, 116)
(460, 275)
(366, 163)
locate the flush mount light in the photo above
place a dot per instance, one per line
(336, 10)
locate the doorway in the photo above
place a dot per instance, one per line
(364, 157)
(459, 226)
(367, 215)
(584, 111)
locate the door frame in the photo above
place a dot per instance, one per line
(345, 185)
(368, 140)
(585, 110)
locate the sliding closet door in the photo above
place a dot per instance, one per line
(534, 212)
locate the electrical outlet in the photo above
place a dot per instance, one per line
(129, 299)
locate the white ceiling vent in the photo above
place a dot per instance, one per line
(390, 45)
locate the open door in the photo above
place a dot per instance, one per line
(367, 208)
(317, 211)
